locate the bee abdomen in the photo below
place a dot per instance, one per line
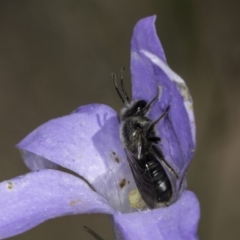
(160, 180)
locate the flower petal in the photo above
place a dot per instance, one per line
(28, 200)
(88, 143)
(150, 72)
(178, 221)
(145, 37)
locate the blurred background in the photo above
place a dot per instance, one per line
(58, 55)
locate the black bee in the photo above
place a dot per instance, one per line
(140, 141)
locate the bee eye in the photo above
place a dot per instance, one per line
(140, 105)
(137, 126)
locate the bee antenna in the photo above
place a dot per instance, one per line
(91, 232)
(122, 85)
(116, 87)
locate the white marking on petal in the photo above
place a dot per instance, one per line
(182, 87)
(135, 55)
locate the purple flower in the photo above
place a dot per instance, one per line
(87, 142)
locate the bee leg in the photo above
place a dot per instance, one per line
(159, 154)
(162, 116)
(140, 148)
(152, 126)
(154, 139)
(91, 232)
(145, 110)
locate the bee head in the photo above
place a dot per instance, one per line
(133, 109)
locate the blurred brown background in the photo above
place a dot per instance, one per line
(58, 55)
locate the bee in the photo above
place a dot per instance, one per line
(139, 138)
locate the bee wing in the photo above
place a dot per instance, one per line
(158, 154)
(142, 179)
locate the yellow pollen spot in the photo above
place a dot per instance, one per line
(135, 199)
(72, 203)
(10, 185)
